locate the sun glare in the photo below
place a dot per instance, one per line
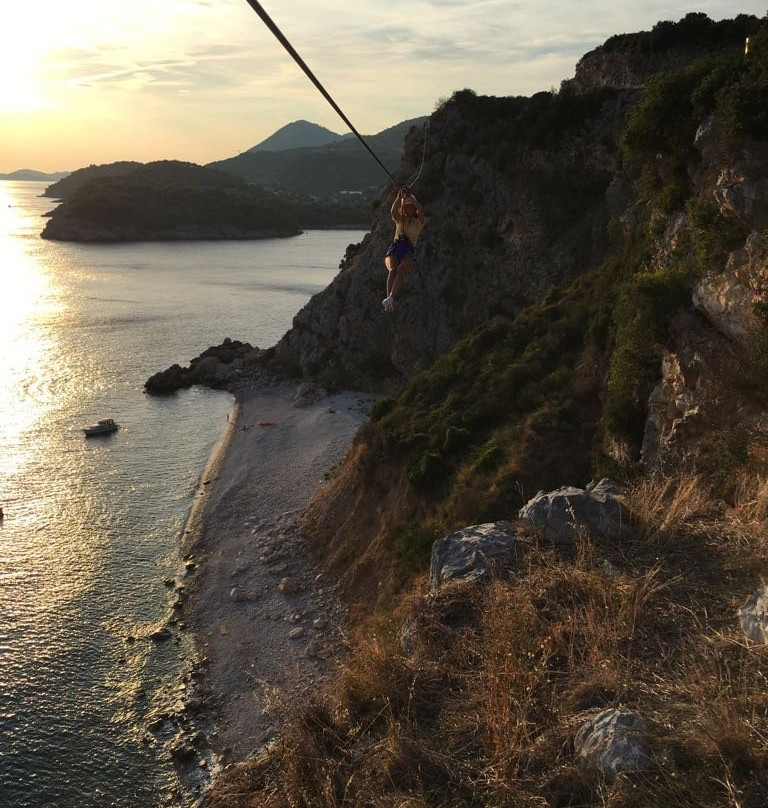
(25, 285)
(19, 89)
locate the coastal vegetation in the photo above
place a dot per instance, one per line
(171, 199)
(322, 171)
(640, 355)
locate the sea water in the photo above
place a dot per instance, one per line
(92, 526)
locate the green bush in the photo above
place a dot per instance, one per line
(666, 118)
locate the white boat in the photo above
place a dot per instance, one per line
(103, 427)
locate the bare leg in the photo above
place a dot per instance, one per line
(400, 274)
(390, 262)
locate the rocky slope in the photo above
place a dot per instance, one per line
(513, 210)
(591, 296)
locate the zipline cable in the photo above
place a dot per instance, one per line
(423, 156)
(267, 20)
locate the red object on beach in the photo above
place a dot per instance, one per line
(267, 423)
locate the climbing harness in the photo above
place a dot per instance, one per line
(267, 20)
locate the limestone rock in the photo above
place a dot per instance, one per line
(727, 298)
(753, 616)
(696, 397)
(743, 196)
(706, 141)
(614, 741)
(288, 586)
(559, 515)
(473, 553)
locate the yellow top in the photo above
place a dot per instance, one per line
(409, 226)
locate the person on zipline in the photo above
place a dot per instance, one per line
(409, 218)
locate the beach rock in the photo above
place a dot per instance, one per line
(288, 586)
(168, 381)
(614, 741)
(561, 514)
(296, 633)
(161, 635)
(319, 650)
(473, 553)
(217, 366)
(753, 616)
(307, 394)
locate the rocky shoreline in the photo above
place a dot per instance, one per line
(266, 624)
(66, 228)
(220, 367)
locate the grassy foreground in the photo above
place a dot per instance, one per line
(480, 705)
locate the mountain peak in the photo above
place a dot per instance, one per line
(297, 135)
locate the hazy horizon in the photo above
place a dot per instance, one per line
(96, 82)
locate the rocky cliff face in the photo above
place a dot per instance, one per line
(629, 60)
(590, 297)
(525, 195)
(701, 399)
(511, 213)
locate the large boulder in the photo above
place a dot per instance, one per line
(613, 742)
(753, 616)
(218, 366)
(168, 381)
(562, 514)
(473, 553)
(209, 370)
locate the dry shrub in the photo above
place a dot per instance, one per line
(718, 716)
(479, 705)
(666, 508)
(751, 501)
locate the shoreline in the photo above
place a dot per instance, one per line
(191, 532)
(266, 626)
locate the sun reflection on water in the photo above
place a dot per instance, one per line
(29, 297)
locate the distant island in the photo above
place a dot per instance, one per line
(172, 200)
(302, 176)
(29, 174)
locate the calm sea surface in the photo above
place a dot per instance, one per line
(92, 526)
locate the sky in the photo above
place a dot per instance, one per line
(95, 81)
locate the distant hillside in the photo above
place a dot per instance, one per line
(327, 170)
(171, 200)
(69, 184)
(342, 164)
(29, 174)
(297, 135)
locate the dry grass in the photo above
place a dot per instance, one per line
(666, 507)
(751, 501)
(480, 705)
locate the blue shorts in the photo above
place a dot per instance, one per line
(400, 249)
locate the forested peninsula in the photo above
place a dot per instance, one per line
(171, 200)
